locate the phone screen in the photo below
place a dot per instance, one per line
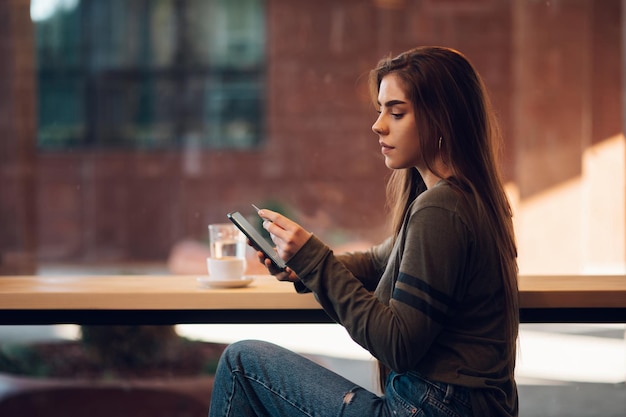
(258, 241)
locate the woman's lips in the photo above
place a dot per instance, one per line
(384, 148)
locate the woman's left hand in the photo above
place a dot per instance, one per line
(282, 275)
(287, 235)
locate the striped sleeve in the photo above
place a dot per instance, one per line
(419, 295)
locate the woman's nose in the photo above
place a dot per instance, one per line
(377, 127)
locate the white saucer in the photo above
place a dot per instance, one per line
(227, 283)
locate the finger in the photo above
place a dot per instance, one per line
(275, 231)
(287, 275)
(292, 276)
(273, 270)
(277, 218)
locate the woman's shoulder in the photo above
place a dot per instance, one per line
(442, 195)
(443, 204)
(446, 197)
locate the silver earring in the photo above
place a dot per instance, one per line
(440, 139)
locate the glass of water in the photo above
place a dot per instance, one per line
(226, 241)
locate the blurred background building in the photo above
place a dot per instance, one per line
(127, 126)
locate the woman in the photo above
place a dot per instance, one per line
(436, 303)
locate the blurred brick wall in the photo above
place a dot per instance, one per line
(569, 139)
(320, 158)
(17, 140)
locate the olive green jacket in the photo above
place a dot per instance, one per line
(430, 302)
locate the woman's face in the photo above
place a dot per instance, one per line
(396, 127)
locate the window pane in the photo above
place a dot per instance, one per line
(148, 74)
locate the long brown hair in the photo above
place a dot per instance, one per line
(455, 120)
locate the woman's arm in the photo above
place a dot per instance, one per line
(368, 266)
(424, 278)
(401, 332)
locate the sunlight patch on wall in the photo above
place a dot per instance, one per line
(579, 226)
(548, 230)
(604, 207)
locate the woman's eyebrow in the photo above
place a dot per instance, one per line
(392, 103)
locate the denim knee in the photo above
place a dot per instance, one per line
(237, 354)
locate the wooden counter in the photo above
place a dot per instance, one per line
(169, 299)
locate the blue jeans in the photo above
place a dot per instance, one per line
(257, 378)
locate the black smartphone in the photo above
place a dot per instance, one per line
(258, 241)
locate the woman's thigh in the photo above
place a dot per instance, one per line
(269, 380)
(263, 379)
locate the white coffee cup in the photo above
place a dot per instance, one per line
(226, 268)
